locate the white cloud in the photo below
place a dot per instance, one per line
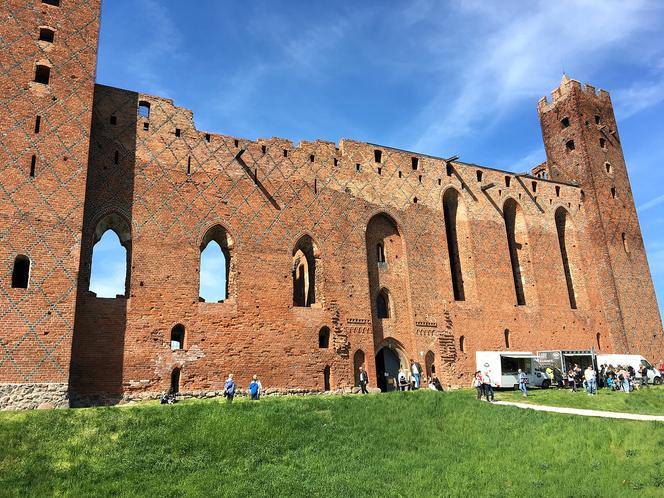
(636, 98)
(651, 203)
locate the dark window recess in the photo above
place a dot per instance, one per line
(450, 210)
(507, 338)
(116, 159)
(335, 161)
(285, 153)
(255, 176)
(177, 337)
(178, 132)
(263, 149)
(557, 191)
(33, 166)
(507, 181)
(42, 74)
(315, 186)
(380, 253)
(562, 227)
(144, 109)
(534, 185)
(37, 124)
(420, 178)
(448, 169)
(208, 137)
(189, 165)
(380, 171)
(415, 162)
(479, 175)
(564, 122)
(569, 145)
(55, 3)
(47, 35)
(312, 158)
(440, 182)
(608, 167)
(414, 200)
(114, 120)
(324, 338)
(146, 126)
(598, 119)
(378, 156)
(383, 305)
(462, 343)
(357, 167)
(21, 272)
(400, 174)
(236, 143)
(613, 192)
(602, 143)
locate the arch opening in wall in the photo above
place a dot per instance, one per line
(562, 227)
(450, 210)
(324, 338)
(144, 109)
(216, 276)
(462, 343)
(305, 271)
(506, 335)
(111, 257)
(21, 272)
(327, 378)
(358, 361)
(175, 381)
(516, 235)
(177, 337)
(429, 364)
(383, 304)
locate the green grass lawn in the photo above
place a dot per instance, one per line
(399, 444)
(648, 401)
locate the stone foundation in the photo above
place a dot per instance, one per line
(33, 396)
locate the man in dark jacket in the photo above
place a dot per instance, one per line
(364, 380)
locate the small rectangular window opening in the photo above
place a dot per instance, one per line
(315, 186)
(598, 119)
(189, 165)
(479, 175)
(255, 176)
(440, 182)
(146, 126)
(448, 169)
(144, 109)
(557, 191)
(602, 143)
(357, 166)
(33, 166)
(55, 3)
(534, 185)
(263, 149)
(335, 161)
(285, 153)
(507, 181)
(116, 159)
(46, 35)
(114, 120)
(236, 142)
(37, 124)
(42, 74)
(613, 192)
(177, 132)
(208, 137)
(380, 171)
(399, 174)
(312, 158)
(415, 162)
(420, 178)
(570, 145)
(378, 156)
(564, 122)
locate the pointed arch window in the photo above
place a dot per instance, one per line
(324, 338)
(21, 272)
(450, 208)
(304, 270)
(216, 266)
(111, 257)
(177, 337)
(513, 217)
(383, 304)
(561, 227)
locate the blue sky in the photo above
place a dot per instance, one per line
(439, 77)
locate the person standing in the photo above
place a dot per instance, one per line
(486, 386)
(255, 388)
(364, 380)
(643, 370)
(477, 384)
(229, 389)
(571, 379)
(523, 382)
(403, 380)
(591, 381)
(415, 374)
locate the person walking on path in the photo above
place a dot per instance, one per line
(255, 389)
(229, 389)
(477, 384)
(486, 386)
(364, 380)
(523, 382)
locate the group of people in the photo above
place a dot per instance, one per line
(482, 383)
(255, 390)
(411, 380)
(620, 378)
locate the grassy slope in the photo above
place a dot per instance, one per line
(400, 444)
(648, 401)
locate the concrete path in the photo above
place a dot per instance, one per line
(585, 413)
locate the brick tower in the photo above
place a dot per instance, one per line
(48, 52)
(582, 145)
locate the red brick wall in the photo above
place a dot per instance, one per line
(41, 216)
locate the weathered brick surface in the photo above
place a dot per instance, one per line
(165, 192)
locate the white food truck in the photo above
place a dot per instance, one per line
(633, 360)
(503, 368)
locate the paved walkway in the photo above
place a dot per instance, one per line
(585, 413)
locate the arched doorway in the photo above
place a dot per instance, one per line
(387, 369)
